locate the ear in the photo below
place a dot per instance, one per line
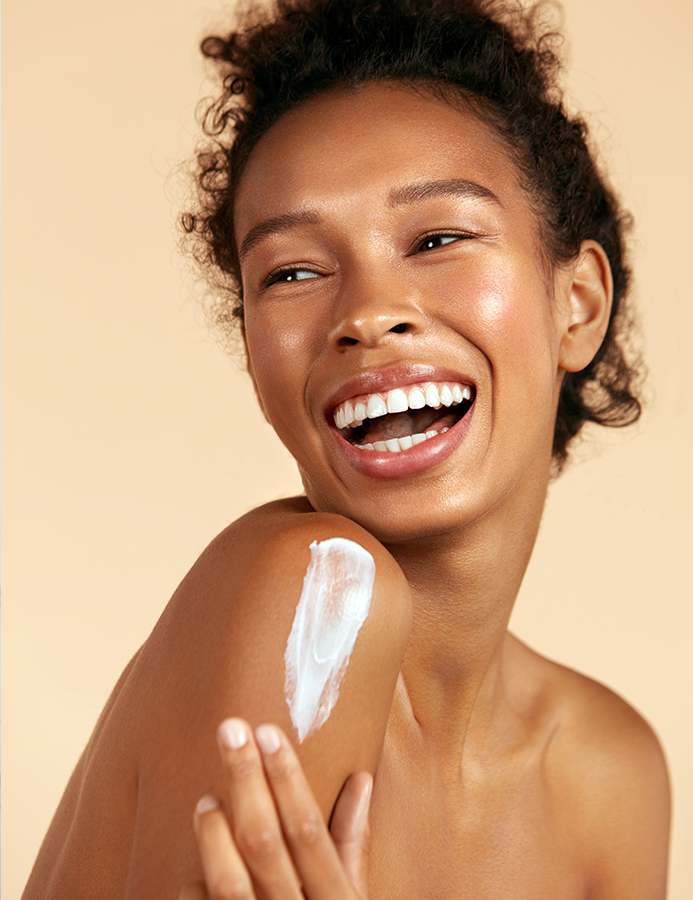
(590, 287)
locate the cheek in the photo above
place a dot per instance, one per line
(506, 310)
(279, 350)
(274, 344)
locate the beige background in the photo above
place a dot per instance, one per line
(131, 439)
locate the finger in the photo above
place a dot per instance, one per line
(305, 830)
(225, 874)
(256, 829)
(350, 829)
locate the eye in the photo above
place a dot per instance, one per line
(289, 275)
(434, 241)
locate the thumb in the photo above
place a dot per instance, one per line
(350, 829)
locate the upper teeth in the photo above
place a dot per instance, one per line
(416, 396)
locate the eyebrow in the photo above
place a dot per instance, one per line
(275, 225)
(410, 193)
(455, 187)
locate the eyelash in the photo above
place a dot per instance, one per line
(419, 247)
(274, 277)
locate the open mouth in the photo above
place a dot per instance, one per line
(396, 420)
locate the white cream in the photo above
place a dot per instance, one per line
(334, 603)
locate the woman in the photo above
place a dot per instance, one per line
(431, 283)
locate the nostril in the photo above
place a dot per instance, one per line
(369, 328)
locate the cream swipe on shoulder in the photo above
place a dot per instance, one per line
(334, 604)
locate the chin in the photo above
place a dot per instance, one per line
(402, 516)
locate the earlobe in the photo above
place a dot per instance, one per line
(591, 294)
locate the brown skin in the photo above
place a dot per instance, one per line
(498, 773)
(217, 650)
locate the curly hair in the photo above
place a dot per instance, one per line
(493, 55)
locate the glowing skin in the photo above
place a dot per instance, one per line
(334, 603)
(477, 306)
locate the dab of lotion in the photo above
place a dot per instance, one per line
(334, 604)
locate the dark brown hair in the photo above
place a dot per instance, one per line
(495, 57)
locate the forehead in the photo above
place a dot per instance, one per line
(367, 142)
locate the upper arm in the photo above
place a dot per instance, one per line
(631, 858)
(219, 651)
(84, 852)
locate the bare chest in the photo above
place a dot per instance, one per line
(490, 840)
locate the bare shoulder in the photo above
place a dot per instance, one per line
(606, 769)
(238, 602)
(218, 650)
(278, 535)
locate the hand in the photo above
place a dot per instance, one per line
(278, 845)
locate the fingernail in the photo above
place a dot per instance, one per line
(206, 804)
(268, 738)
(233, 734)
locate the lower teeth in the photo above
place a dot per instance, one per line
(396, 445)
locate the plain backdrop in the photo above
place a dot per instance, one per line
(131, 439)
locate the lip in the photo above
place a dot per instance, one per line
(416, 459)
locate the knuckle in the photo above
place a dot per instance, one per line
(241, 767)
(280, 767)
(261, 844)
(304, 831)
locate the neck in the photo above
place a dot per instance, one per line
(464, 585)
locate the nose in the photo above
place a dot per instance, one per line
(370, 310)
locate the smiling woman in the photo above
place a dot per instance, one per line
(392, 313)
(428, 274)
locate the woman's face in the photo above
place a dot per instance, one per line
(391, 261)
